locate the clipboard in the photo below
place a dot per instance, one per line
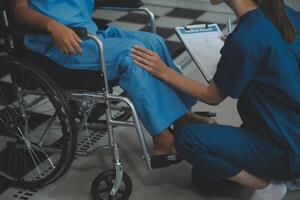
(204, 43)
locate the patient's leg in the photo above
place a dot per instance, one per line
(164, 143)
(151, 41)
(158, 105)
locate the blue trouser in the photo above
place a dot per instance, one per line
(220, 152)
(158, 105)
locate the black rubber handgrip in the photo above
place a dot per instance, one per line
(81, 32)
(206, 114)
(119, 3)
(23, 30)
(162, 161)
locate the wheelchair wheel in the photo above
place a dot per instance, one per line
(103, 184)
(37, 144)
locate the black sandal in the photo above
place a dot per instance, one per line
(161, 161)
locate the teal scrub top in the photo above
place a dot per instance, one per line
(262, 70)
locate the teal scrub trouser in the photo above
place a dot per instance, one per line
(219, 152)
(158, 105)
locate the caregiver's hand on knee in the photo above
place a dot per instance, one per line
(151, 62)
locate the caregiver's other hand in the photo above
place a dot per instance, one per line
(65, 39)
(150, 61)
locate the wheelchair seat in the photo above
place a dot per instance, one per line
(66, 78)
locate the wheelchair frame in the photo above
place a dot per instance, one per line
(92, 98)
(105, 96)
(108, 97)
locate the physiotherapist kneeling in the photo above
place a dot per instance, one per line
(260, 65)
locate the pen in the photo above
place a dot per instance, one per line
(186, 28)
(229, 26)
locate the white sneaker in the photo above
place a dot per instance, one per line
(293, 185)
(274, 191)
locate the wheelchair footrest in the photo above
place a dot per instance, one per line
(162, 161)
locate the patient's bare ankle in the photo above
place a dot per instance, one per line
(164, 143)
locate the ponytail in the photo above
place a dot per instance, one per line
(275, 11)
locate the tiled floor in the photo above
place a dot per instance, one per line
(170, 183)
(167, 17)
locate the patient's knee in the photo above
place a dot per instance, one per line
(154, 41)
(125, 60)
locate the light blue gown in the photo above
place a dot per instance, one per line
(158, 105)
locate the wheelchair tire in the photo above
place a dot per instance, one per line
(103, 184)
(37, 141)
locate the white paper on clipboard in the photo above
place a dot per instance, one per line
(204, 43)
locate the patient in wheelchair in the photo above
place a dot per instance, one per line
(158, 105)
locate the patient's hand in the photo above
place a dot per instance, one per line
(66, 40)
(150, 61)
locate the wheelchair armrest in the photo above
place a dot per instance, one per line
(126, 4)
(19, 30)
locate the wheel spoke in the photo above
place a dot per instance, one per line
(4, 122)
(34, 102)
(44, 135)
(121, 191)
(28, 82)
(104, 190)
(32, 154)
(108, 182)
(32, 148)
(39, 106)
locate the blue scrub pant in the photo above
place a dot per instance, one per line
(220, 152)
(158, 105)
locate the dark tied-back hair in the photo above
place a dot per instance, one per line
(276, 12)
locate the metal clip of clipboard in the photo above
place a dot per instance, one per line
(188, 36)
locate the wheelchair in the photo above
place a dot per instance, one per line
(44, 107)
(41, 112)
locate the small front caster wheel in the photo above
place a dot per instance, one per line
(103, 184)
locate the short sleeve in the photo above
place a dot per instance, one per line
(235, 69)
